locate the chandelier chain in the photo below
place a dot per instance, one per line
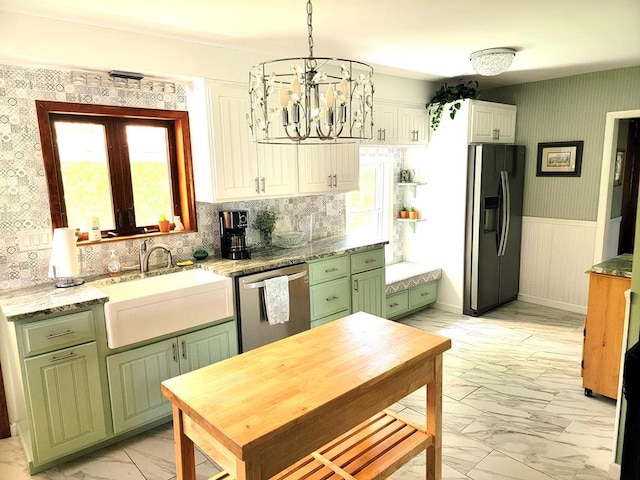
(310, 27)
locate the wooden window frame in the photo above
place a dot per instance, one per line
(177, 124)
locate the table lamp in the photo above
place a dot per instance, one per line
(63, 264)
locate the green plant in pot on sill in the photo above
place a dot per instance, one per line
(163, 224)
(451, 94)
(266, 223)
(403, 212)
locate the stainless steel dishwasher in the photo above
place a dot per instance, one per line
(255, 330)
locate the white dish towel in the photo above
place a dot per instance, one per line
(276, 299)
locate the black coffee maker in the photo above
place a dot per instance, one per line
(232, 234)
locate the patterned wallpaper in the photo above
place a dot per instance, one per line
(564, 109)
(24, 201)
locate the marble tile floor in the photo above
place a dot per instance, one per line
(513, 408)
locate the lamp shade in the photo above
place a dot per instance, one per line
(64, 255)
(492, 61)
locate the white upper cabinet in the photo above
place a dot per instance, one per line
(330, 168)
(492, 122)
(413, 126)
(400, 125)
(385, 123)
(243, 169)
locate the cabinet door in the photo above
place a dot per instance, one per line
(413, 126)
(204, 347)
(368, 292)
(65, 398)
(405, 126)
(346, 167)
(421, 125)
(278, 169)
(315, 173)
(134, 383)
(492, 123)
(386, 119)
(235, 159)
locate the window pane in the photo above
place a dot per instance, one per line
(85, 173)
(367, 225)
(150, 173)
(365, 198)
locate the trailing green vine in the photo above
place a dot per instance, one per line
(451, 94)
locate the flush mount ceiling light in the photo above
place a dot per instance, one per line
(492, 61)
(311, 99)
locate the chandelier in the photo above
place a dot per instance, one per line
(311, 99)
(492, 61)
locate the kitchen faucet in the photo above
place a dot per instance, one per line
(146, 252)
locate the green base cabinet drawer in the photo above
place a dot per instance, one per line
(330, 269)
(423, 294)
(363, 261)
(329, 298)
(55, 333)
(397, 303)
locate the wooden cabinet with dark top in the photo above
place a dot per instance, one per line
(603, 332)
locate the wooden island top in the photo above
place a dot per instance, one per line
(260, 412)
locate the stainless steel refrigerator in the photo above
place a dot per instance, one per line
(494, 226)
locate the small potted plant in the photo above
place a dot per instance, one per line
(403, 212)
(413, 213)
(163, 224)
(266, 223)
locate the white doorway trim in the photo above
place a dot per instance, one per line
(606, 183)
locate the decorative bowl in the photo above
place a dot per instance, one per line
(288, 239)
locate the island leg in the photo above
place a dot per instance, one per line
(185, 453)
(434, 421)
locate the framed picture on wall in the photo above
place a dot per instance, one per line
(619, 168)
(560, 159)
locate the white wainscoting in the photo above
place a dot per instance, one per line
(555, 255)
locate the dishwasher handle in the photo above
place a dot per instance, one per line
(291, 278)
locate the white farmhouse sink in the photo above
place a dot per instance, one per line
(151, 307)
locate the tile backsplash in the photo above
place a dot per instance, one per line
(24, 202)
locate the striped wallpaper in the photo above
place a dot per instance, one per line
(565, 109)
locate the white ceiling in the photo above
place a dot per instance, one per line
(425, 39)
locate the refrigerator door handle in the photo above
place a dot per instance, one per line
(506, 212)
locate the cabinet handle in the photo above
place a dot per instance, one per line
(384, 134)
(370, 260)
(335, 181)
(379, 134)
(64, 357)
(394, 304)
(329, 270)
(496, 134)
(330, 183)
(257, 185)
(263, 185)
(424, 294)
(331, 299)
(174, 349)
(184, 349)
(51, 336)
(355, 285)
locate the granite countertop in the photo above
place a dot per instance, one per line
(46, 299)
(620, 266)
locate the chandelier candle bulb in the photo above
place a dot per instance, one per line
(284, 96)
(330, 100)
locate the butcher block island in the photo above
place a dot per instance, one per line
(314, 403)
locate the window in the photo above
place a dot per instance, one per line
(368, 208)
(128, 166)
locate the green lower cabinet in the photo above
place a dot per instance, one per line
(329, 298)
(411, 300)
(65, 396)
(368, 292)
(135, 375)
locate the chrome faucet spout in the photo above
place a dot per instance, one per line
(146, 253)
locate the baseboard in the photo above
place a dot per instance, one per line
(614, 471)
(553, 303)
(445, 307)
